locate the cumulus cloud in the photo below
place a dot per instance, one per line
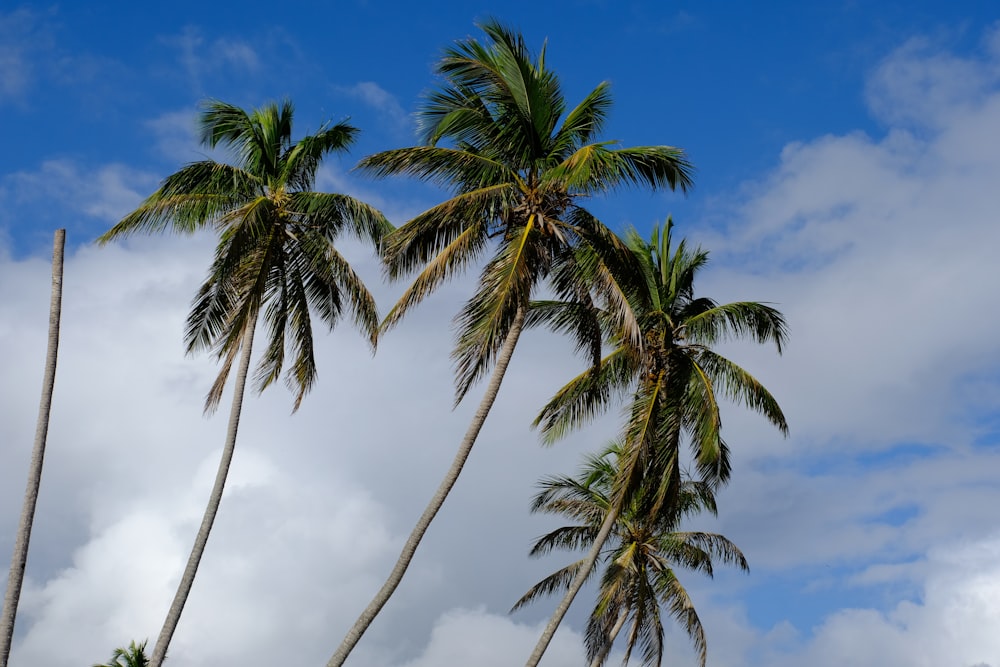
(953, 622)
(880, 250)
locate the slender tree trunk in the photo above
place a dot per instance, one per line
(187, 580)
(603, 654)
(19, 559)
(384, 593)
(574, 587)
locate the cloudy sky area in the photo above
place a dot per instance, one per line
(848, 168)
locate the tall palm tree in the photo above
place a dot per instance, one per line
(133, 656)
(519, 163)
(275, 260)
(640, 556)
(670, 376)
(19, 557)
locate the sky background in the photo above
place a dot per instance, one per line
(848, 162)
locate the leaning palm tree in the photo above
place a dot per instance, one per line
(640, 556)
(133, 656)
(275, 260)
(519, 163)
(19, 557)
(669, 376)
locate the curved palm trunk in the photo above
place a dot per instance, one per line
(574, 587)
(19, 559)
(187, 580)
(384, 593)
(603, 655)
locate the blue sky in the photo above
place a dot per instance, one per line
(847, 155)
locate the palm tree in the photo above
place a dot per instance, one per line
(275, 259)
(133, 656)
(19, 557)
(640, 555)
(499, 136)
(669, 373)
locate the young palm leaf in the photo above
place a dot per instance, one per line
(499, 136)
(276, 260)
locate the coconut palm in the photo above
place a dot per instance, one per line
(275, 260)
(498, 134)
(670, 377)
(640, 555)
(19, 557)
(133, 656)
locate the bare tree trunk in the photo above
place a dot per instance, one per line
(574, 587)
(19, 560)
(187, 580)
(384, 593)
(603, 655)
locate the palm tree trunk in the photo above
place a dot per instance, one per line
(574, 587)
(384, 593)
(19, 559)
(603, 654)
(187, 580)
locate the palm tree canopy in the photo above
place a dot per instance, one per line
(276, 255)
(640, 555)
(133, 656)
(669, 371)
(499, 134)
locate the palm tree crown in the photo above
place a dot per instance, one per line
(133, 656)
(639, 556)
(669, 372)
(498, 134)
(276, 253)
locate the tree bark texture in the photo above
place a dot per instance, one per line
(19, 559)
(187, 579)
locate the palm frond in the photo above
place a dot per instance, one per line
(598, 167)
(197, 196)
(441, 165)
(556, 581)
(743, 319)
(586, 396)
(303, 159)
(740, 386)
(504, 288)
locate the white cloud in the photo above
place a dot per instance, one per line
(106, 193)
(879, 249)
(475, 637)
(23, 38)
(175, 136)
(952, 624)
(379, 99)
(880, 253)
(201, 56)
